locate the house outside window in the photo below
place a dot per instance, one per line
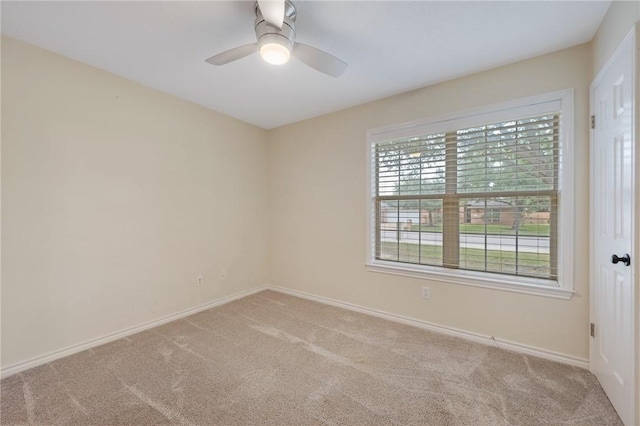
(479, 197)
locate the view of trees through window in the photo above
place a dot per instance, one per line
(480, 198)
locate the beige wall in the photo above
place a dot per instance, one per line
(620, 18)
(114, 198)
(317, 206)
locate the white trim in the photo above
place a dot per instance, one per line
(627, 42)
(636, 208)
(514, 284)
(437, 328)
(562, 100)
(530, 105)
(70, 350)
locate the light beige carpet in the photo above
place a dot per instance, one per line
(275, 359)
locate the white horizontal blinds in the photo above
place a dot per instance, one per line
(499, 182)
(508, 156)
(410, 166)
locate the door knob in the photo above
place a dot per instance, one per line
(624, 259)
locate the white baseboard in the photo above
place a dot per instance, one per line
(52, 356)
(479, 338)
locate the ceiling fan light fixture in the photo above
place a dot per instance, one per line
(275, 42)
(275, 53)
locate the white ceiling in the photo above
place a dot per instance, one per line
(391, 47)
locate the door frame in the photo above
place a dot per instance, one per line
(632, 39)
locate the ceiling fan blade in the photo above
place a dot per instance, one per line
(232, 54)
(272, 11)
(319, 60)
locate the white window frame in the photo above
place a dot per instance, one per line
(563, 287)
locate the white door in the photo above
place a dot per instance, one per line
(612, 222)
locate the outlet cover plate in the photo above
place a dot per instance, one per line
(426, 292)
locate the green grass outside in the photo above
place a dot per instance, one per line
(529, 229)
(531, 264)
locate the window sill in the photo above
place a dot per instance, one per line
(533, 286)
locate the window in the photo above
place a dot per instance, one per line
(475, 197)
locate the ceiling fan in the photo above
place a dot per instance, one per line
(275, 31)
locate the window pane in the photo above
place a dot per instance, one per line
(509, 235)
(411, 231)
(430, 236)
(388, 220)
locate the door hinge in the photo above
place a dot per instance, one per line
(593, 121)
(592, 330)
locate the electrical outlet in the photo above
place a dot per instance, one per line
(199, 280)
(426, 293)
(223, 274)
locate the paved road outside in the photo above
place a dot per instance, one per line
(477, 241)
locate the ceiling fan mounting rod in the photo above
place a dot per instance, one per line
(289, 10)
(266, 33)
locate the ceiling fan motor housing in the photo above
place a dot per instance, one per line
(266, 33)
